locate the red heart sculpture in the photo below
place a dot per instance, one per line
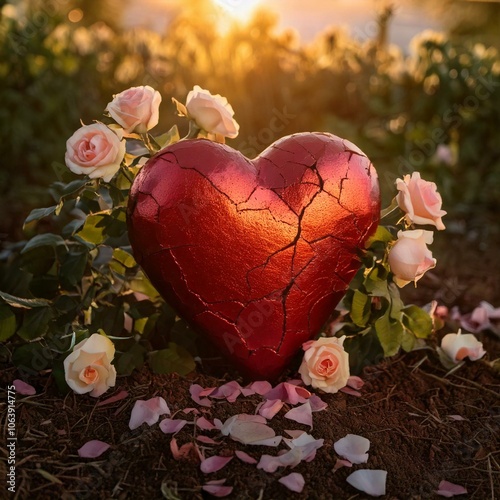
(256, 253)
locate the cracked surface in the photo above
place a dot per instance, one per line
(255, 254)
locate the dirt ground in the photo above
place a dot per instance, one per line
(424, 426)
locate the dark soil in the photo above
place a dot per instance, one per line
(407, 410)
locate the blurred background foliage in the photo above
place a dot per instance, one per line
(435, 109)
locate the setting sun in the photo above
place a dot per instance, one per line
(240, 9)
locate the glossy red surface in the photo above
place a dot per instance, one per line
(254, 254)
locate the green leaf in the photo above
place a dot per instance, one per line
(73, 267)
(174, 359)
(364, 350)
(43, 240)
(168, 138)
(381, 234)
(122, 261)
(39, 213)
(7, 323)
(360, 308)
(32, 358)
(408, 340)
(417, 321)
(38, 261)
(390, 334)
(35, 323)
(22, 302)
(128, 361)
(93, 230)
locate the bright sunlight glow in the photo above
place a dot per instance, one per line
(239, 9)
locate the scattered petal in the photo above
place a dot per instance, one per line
(341, 463)
(288, 392)
(457, 346)
(295, 433)
(447, 489)
(269, 463)
(113, 399)
(187, 411)
(245, 457)
(213, 464)
(351, 392)
(456, 417)
(148, 411)
(302, 414)
(93, 449)
(218, 424)
(217, 488)
(169, 426)
(317, 404)
(229, 391)
(260, 387)
(294, 482)
(354, 448)
(369, 481)
(206, 439)
(355, 382)
(184, 451)
(204, 424)
(23, 388)
(195, 391)
(268, 409)
(250, 429)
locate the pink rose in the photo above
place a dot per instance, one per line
(136, 109)
(457, 346)
(409, 258)
(420, 200)
(95, 150)
(325, 365)
(88, 368)
(211, 113)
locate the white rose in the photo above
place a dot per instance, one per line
(457, 346)
(211, 113)
(420, 200)
(95, 150)
(88, 368)
(136, 109)
(325, 364)
(410, 258)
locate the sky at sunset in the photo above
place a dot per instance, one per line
(308, 18)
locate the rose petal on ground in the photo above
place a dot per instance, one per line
(317, 404)
(369, 481)
(253, 433)
(205, 424)
(269, 463)
(207, 391)
(218, 424)
(355, 382)
(242, 417)
(306, 445)
(184, 451)
(213, 464)
(229, 391)
(113, 399)
(195, 391)
(23, 388)
(301, 414)
(247, 391)
(341, 463)
(295, 433)
(288, 393)
(245, 457)
(217, 488)
(187, 411)
(351, 392)
(169, 426)
(447, 489)
(93, 449)
(354, 448)
(148, 412)
(206, 439)
(272, 441)
(260, 387)
(269, 408)
(294, 482)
